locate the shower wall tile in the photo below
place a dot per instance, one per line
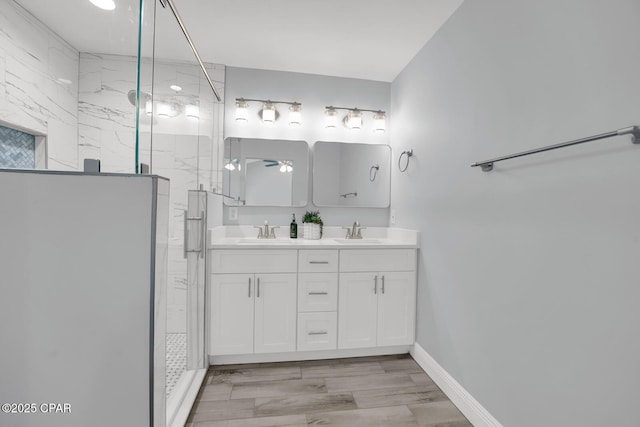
(63, 147)
(17, 149)
(38, 83)
(3, 77)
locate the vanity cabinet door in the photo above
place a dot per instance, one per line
(275, 313)
(231, 307)
(357, 310)
(396, 308)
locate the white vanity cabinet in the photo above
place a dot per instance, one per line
(276, 302)
(252, 301)
(377, 298)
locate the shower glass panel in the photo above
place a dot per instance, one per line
(182, 120)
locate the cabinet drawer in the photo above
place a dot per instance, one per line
(317, 331)
(318, 261)
(317, 292)
(254, 261)
(354, 260)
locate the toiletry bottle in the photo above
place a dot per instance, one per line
(293, 228)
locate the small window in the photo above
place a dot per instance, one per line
(17, 149)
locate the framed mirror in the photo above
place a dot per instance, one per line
(351, 175)
(264, 172)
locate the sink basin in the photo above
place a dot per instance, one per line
(358, 241)
(254, 240)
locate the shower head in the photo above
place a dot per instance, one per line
(144, 97)
(132, 96)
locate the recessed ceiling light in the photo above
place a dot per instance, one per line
(175, 87)
(104, 4)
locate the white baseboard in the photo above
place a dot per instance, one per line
(307, 355)
(470, 407)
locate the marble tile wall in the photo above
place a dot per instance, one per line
(39, 84)
(185, 150)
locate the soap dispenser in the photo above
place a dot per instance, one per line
(293, 228)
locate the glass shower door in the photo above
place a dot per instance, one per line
(180, 129)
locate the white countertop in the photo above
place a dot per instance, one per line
(245, 237)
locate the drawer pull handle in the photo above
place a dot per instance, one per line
(318, 333)
(318, 262)
(375, 285)
(318, 293)
(258, 287)
(249, 287)
(383, 284)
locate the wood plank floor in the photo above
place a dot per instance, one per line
(367, 391)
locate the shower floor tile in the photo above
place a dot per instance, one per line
(176, 359)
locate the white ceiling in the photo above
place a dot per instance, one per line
(366, 39)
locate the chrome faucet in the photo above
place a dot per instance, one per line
(266, 232)
(355, 231)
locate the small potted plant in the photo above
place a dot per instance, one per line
(312, 225)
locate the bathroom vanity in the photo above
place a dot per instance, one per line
(294, 299)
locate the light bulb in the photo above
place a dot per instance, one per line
(379, 122)
(192, 111)
(268, 113)
(242, 111)
(295, 114)
(331, 118)
(164, 109)
(354, 119)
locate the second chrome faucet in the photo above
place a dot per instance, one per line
(355, 231)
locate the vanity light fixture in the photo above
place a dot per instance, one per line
(268, 114)
(353, 119)
(104, 4)
(331, 118)
(379, 122)
(232, 164)
(242, 110)
(175, 88)
(295, 114)
(192, 111)
(164, 109)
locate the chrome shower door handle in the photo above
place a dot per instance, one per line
(184, 240)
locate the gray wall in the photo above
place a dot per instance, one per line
(529, 275)
(314, 92)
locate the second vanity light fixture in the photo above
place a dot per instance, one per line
(353, 119)
(269, 114)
